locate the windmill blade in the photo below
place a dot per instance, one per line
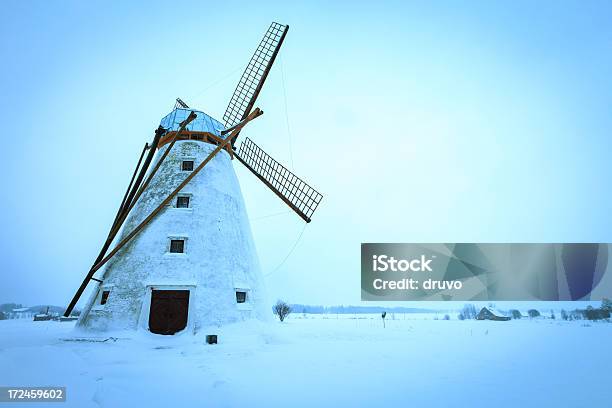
(296, 193)
(255, 75)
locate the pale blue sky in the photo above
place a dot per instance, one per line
(418, 121)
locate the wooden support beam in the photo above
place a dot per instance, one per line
(118, 220)
(129, 203)
(127, 192)
(158, 134)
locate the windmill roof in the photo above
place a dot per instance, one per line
(203, 123)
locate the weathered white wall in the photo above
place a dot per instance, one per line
(219, 252)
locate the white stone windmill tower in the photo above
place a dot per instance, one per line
(183, 256)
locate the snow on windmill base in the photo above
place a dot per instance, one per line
(318, 360)
(199, 284)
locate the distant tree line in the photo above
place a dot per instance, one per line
(8, 307)
(603, 312)
(8, 310)
(317, 309)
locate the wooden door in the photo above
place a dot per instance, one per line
(169, 311)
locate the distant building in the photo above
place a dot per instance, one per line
(42, 317)
(21, 313)
(486, 314)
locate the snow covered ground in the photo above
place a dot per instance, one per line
(322, 361)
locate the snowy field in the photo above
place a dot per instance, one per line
(321, 361)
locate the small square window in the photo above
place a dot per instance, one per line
(182, 202)
(187, 165)
(104, 298)
(240, 296)
(177, 246)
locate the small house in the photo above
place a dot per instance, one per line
(486, 314)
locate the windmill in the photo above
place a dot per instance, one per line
(183, 255)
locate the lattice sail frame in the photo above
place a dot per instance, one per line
(254, 75)
(300, 196)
